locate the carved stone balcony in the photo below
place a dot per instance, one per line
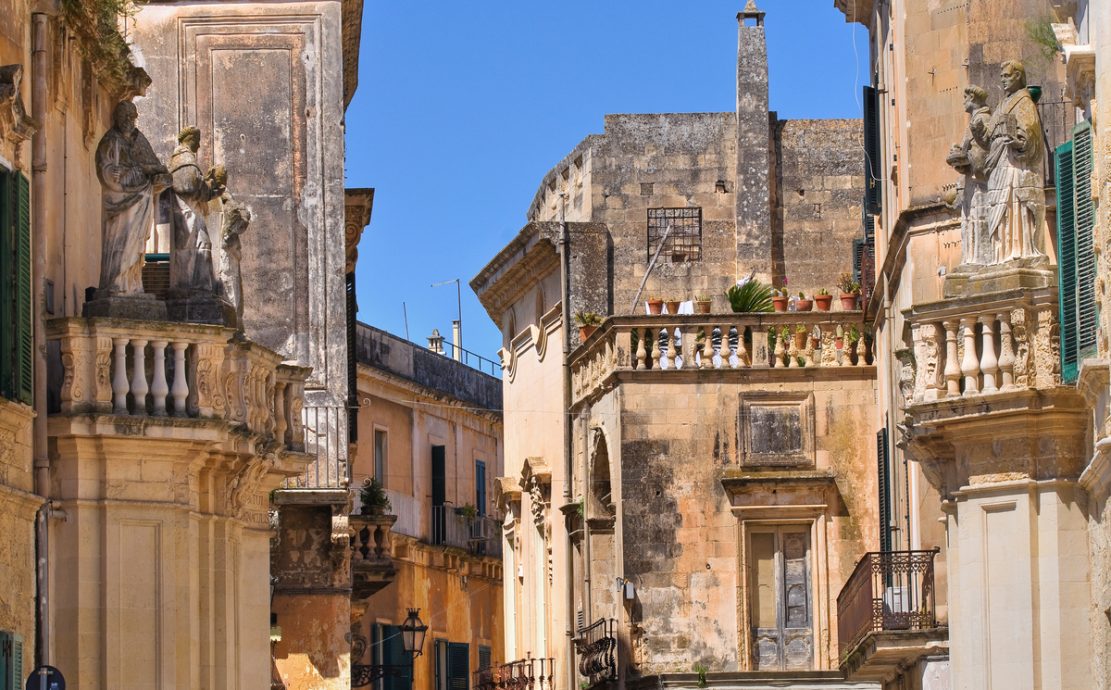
(523, 674)
(717, 344)
(157, 373)
(371, 565)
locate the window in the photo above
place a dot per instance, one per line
(683, 230)
(1075, 255)
(873, 170)
(452, 664)
(394, 654)
(480, 486)
(381, 447)
(483, 657)
(883, 474)
(781, 619)
(16, 333)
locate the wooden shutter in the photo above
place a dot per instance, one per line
(352, 361)
(873, 178)
(16, 326)
(24, 326)
(1084, 219)
(883, 479)
(458, 666)
(483, 657)
(393, 652)
(1066, 259)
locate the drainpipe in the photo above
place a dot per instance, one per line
(38, 274)
(565, 300)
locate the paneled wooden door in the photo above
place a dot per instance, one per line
(780, 600)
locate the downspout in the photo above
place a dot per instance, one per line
(38, 276)
(565, 305)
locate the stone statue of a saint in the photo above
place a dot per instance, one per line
(235, 219)
(970, 159)
(1016, 154)
(131, 177)
(191, 269)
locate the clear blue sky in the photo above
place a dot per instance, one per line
(463, 107)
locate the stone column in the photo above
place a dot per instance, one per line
(754, 222)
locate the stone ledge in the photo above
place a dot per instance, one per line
(881, 655)
(311, 497)
(797, 680)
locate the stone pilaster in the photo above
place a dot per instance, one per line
(754, 222)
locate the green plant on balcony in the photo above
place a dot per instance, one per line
(752, 296)
(467, 511)
(701, 670)
(373, 498)
(96, 22)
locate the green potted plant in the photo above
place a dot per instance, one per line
(823, 300)
(850, 291)
(800, 336)
(779, 300)
(851, 338)
(587, 322)
(655, 305)
(752, 296)
(373, 498)
(803, 303)
(672, 305)
(468, 511)
(702, 304)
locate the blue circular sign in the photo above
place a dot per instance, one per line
(46, 678)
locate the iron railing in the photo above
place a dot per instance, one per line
(523, 674)
(472, 360)
(478, 534)
(889, 590)
(1058, 119)
(596, 645)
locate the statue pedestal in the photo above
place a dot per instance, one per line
(139, 306)
(1013, 275)
(201, 308)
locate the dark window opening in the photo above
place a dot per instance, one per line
(680, 232)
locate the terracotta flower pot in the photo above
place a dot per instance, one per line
(800, 340)
(780, 303)
(848, 302)
(839, 342)
(585, 332)
(702, 307)
(804, 305)
(655, 306)
(823, 302)
(672, 306)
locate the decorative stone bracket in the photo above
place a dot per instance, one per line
(15, 124)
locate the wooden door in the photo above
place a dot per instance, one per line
(780, 602)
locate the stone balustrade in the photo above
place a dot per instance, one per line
(963, 349)
(702, 342)
(159, 369)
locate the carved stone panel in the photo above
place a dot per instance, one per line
(776, 429)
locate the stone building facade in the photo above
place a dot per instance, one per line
(685, 495)
(431, 435)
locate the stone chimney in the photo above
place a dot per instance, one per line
(436, 342)
(754, 223)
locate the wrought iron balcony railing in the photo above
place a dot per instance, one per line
(888, 590)
(523, 674)
(478, 534)
(596, 645)
(698, 342)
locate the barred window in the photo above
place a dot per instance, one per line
(684, 240)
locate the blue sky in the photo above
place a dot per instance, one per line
(463, 107)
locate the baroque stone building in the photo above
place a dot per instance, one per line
(685, 494)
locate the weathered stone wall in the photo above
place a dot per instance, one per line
(682, 548)
(17, 524)
(819, 186)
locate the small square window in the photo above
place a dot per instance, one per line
(683, 230)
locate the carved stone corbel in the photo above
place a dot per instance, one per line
(15, 124)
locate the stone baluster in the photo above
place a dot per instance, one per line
(707, 348)
(780, 349)
(1006, 352)
(989, 365)
(690, 333)
(742, 358)
(970, 365)
(180, 389)
(674, 347)
(120, 386)
(623, 355)
(861, 351)
(139, 387)
(792, 350)
(281, 425)
(642, 351)
(952, 368)
(159, 388)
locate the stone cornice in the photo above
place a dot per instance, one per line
(522, 263)
(358, 204)
(911, 221)
(352, 32)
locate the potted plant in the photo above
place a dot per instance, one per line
(373, 498)
(779, 300)
(672, 305)
(702, 304)
(587, 322)
(839, 339)
(655, 305)
(803, 303)
(751, 296)
(851, 337)
(468, 511)
(800, 337)
(823, 300)
(850, 291)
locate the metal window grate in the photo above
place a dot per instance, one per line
(684, 242)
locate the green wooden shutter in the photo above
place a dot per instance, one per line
(1066, 259)
(16, 334)
(393, 653)
(873, 177)
(24, 327)
(458, 666)
(8, 342)
(883, 479)
(1087, 319)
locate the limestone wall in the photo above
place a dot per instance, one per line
(17, 524)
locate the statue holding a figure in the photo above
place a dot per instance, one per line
(970, 159)
(235, 219)
(191, 269)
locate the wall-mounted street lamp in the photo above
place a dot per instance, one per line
(412, 641)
